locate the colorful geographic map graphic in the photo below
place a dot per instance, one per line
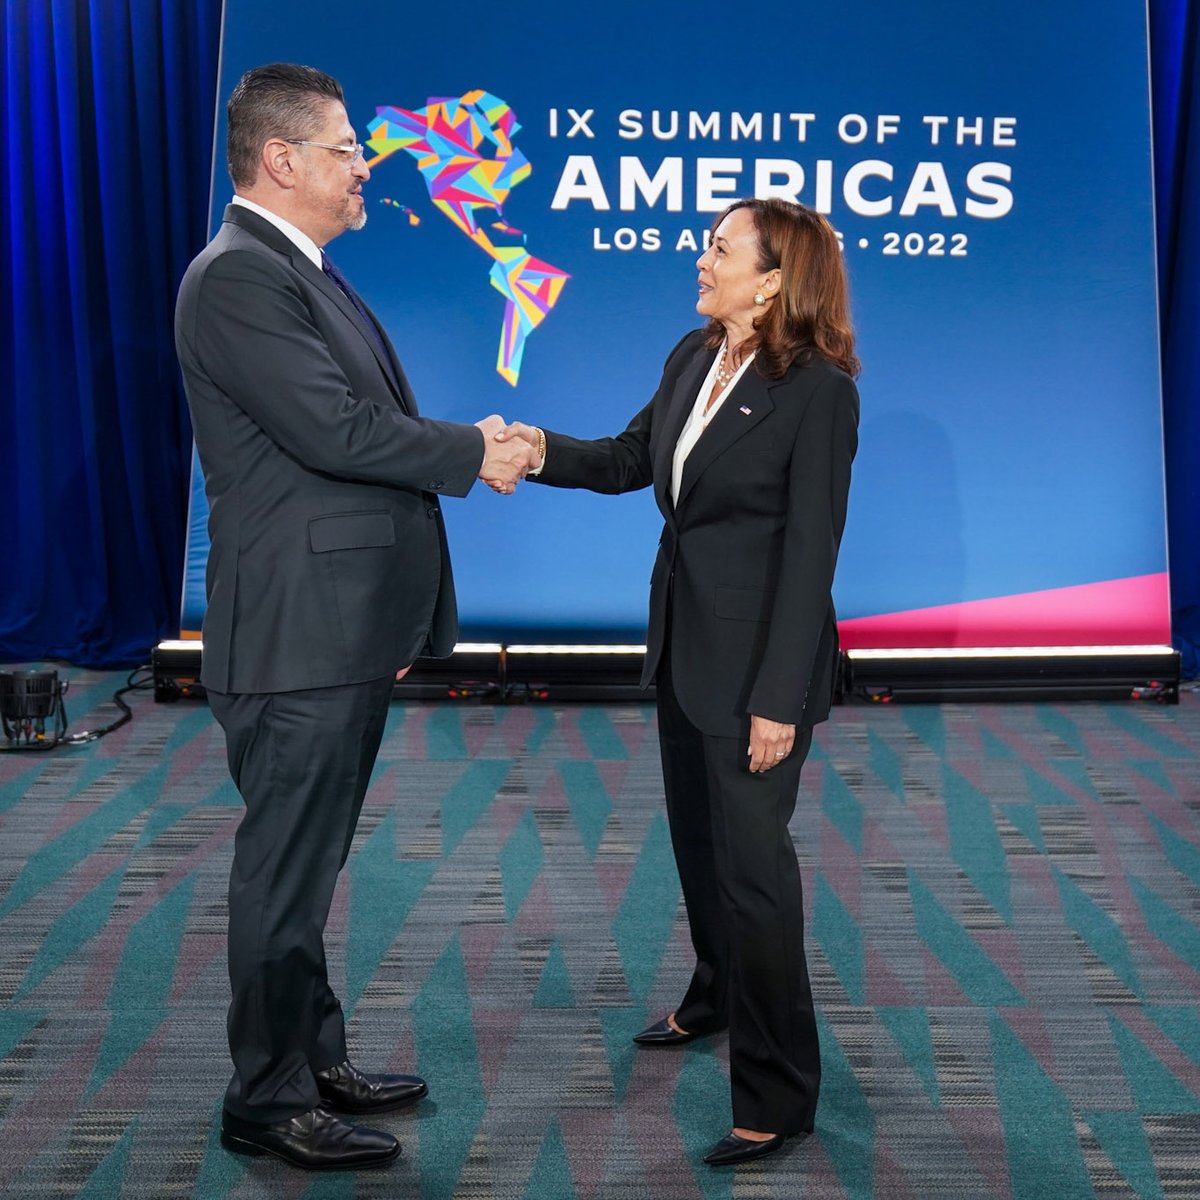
(464, 149)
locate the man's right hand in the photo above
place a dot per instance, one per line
(518, 433)
(518, 429)
(504, 462)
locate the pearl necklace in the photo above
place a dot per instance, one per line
(723, 376)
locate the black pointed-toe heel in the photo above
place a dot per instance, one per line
(661, 1033)
(731, 1149)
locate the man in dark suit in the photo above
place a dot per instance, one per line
(328, 575)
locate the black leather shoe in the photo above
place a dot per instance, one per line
(347, 1089)
(732, 1149)
(314, 1141)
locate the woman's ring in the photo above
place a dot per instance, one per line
(779, 754)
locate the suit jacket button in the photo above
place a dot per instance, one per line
(436, 485)
(431, 512)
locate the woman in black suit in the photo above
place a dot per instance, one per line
(748, 444)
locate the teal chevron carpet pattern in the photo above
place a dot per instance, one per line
(1004, 933)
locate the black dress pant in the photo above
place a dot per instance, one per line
(302, 762)
(741, 885)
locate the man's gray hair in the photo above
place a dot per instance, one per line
(282, 100)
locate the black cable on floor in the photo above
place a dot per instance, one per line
(131, 685)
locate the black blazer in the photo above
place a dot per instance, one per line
(746, 559)
(328, 563)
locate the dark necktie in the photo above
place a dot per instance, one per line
(344, 286)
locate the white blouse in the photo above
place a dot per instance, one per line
(699, 420)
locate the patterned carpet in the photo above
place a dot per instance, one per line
(1004, 931)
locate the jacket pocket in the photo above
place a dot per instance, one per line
(350, 531)
(743, 604)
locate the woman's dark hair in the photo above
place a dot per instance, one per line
(810, 315)
(281, 100)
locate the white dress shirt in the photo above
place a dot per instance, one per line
(699, 420)
(310, 248)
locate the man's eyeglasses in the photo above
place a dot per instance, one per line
(350, 154)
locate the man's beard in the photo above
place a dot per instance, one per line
(348, 214)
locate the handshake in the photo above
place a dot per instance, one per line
(510, 452)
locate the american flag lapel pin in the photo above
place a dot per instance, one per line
(745, 410)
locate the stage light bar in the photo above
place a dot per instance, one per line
(475, 671)
(1008, 652)
(985, 673)
(562, 671)
(588, 671)
(562, 649)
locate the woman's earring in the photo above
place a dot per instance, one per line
(759, 299)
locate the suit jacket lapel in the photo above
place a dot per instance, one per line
(278, 240)
(319, 279)
(682, 399)
(742, 409)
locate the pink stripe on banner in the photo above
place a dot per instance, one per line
(1120, 612)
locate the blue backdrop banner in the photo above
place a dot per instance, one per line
(540, 192)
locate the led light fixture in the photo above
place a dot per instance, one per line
(32, 714)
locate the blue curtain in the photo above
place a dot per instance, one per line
(1174, 58)
(106, 159)
(107, 148)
